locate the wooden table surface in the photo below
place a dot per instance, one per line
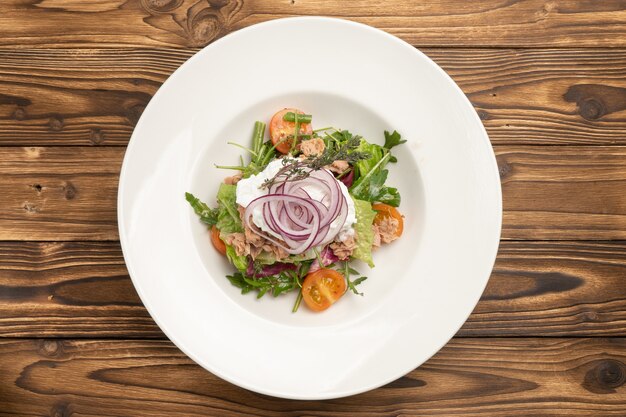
(548, 79)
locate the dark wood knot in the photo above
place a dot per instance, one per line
(610, 373)
(69, 190)
(50, 348)
(218, 4)
(62, 409)
(504, 168)
(595, 101)
(96, 136)
(605, 376)
(204, 27)
(592, 109)
(160, 6)
(134, 111)
(483, 115)
(19, 114)
(55, 123)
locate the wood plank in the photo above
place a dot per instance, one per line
(191, 23)
(95, 96)
(59, 193)
(69, 289)
(468, 377)
(82, 289)
(570, 193)
(79, 97)
(554, 289)
(554, 96)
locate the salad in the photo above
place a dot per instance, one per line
(306, 204)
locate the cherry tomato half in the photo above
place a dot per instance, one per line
(386, 211)
(217, 242)
(322, 288)
(280, 130)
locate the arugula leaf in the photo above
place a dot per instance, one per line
(374, 189)
(207, 214)
(393, 139)
(352, 285)
(276, 284)
(237, 280)
(364, 233)
(347, 271)
(228, 220)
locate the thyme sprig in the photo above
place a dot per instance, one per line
(336, 150)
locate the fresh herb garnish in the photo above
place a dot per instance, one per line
(261, 153)
(206, 214)
(281, 283)
(340, 146)
(393, 139)
(347, 271)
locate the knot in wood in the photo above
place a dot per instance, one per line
(69, 190)
(96, 136)
(218, 4)
(55, 123)
(204, 27)
(19, 114)
(592, 109)
(590, 316)
(62, 409)
(50, 348)
(504, 168)
(133, 113)
(160, 6)
(610, 373)
(31, 208)
(483, 115)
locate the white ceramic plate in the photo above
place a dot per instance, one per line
(347, 75)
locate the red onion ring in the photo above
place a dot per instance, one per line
(301, 221)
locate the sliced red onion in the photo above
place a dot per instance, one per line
(301, 221)
(348, 179)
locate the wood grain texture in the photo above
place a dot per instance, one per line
(575, 193)
(555, 96)
(52, 194)
(472, 377)
(191, 23)
(553, 289)
(563, 193)
(69, 289)
(82, 289)
(524, 96)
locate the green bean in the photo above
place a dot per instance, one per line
(257, 136)
(302, 118)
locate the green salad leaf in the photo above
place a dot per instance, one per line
(391, 140)
(276, 284)
(240, 262)
(228, 220)
(206, 214)
(370, 185)
(376, 152)
(375, 190)
(364, 233)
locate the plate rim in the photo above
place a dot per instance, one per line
(123, 236)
